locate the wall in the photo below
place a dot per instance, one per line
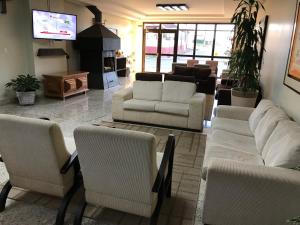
(44, 65)
(275, 58)
(14, 45)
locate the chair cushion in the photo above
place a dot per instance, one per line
(259, 112)
(266, 126)
(140, 105)
(231, 125)
(218, 152)
(234, 141)
(176, 91)
(173, 108)
(147, 90)
(283, 147)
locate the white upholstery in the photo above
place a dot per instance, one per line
(173, 108)
(147, 90)
(235, 141)
(187, 112)
(243, 183)
(177, 91)
(231, 125)
(259, 112)
(119, 168)
(283, 147)
(266, 126)
(34, 151)
(234, 112)
(214, 152)
(140, 105)
(245, 194)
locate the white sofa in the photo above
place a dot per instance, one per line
(169, 103)
(248, 167)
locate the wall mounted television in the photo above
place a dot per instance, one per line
(53, 25)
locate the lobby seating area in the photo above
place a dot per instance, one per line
(149, 112)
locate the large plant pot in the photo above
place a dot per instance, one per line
(26, 98)
(244, 99)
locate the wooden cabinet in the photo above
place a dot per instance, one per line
(65, 84)
(121, 66)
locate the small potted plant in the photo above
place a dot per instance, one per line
(244, 62)
(25, 87)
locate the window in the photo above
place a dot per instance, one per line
(165, 43)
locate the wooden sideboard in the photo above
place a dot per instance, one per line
(65, 84)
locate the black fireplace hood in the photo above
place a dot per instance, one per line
(97, 37)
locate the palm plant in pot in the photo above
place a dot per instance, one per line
(25, 87)
(244, 62)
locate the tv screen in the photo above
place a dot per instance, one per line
(52, 25)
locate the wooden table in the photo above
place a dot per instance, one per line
(65, 84)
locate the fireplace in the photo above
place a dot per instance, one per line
(97, 46)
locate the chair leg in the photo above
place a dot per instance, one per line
(160, 199)
(79, 214)
(4, 194)
(60, 217)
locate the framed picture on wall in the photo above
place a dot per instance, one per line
(292, 76)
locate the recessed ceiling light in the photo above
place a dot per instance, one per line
(172, 7)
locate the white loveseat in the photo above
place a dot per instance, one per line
(169, 103)
(248, 167)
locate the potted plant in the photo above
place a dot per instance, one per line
(25, 87)
(244, 62)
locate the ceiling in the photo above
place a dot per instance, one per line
(145, 10)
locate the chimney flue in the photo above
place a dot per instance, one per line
(96, 12)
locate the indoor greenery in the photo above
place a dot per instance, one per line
(244, 62)
(24, 83)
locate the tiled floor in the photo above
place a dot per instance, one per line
(75, 111)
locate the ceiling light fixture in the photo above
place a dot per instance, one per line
(173, 7)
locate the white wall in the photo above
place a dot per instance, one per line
(14, 45)
(275, 58)
(44, 65)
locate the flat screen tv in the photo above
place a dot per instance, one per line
(54, 26)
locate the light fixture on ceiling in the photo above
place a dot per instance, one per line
(172, 7)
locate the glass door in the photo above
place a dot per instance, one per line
(151, 51)
(159, 50)
(167, 50)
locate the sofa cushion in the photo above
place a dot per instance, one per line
(147, 90)
(218, 152)
(173, 108)
(179, 92)
(231, 125)
(259, 112)
(234, 141)
(266, 126)
(283, 147)
(140, 105)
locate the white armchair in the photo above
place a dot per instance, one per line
(121, 170)
(36, 158)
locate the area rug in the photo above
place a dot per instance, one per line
(184, 208)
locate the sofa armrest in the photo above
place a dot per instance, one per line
(197, 111)
(237, 193)
(124, 94)
(234, 112)
(117, 102)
